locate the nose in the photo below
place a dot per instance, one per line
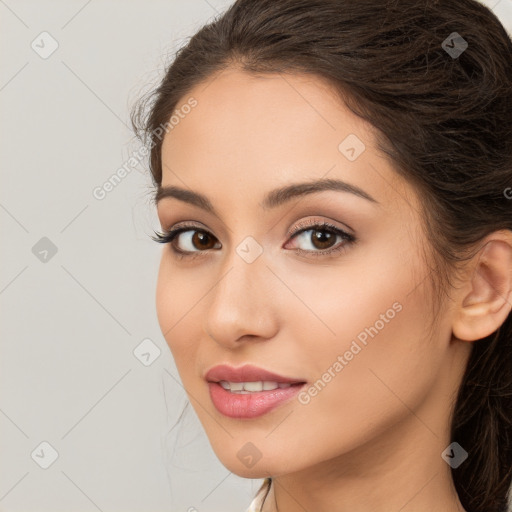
(242, 305)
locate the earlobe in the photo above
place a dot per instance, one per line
(484, 308)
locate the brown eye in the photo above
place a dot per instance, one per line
(320, 239)
(202, 240)
(192, 240)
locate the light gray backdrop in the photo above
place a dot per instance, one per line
(88, 389)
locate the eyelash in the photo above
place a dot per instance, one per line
(167, 237)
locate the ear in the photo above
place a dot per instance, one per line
(486, 298)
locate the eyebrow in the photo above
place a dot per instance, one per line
(273, 199)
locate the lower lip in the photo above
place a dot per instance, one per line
(250, 405)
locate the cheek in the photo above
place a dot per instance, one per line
(367, 336)
(177, 309)
(365, 296)
(166, 294)
(178, 293)
(380, 359)
(375, 386)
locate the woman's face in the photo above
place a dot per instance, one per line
(353, 324)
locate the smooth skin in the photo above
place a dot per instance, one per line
(372, 438)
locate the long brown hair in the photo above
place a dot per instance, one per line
(444, 120)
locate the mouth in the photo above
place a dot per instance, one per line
(249, 391)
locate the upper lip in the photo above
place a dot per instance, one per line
(246, 373)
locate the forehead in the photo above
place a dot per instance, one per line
(251, 133)
(265, 114)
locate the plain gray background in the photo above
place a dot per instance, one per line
(78, 274)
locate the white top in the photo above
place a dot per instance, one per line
(257, 502)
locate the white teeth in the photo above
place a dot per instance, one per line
(236, 386)
(250, 387)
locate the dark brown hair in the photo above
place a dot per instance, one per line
(443, 120)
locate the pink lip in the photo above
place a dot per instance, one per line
(246, 373)
(250, 405)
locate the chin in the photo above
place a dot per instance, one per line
(262, 468)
